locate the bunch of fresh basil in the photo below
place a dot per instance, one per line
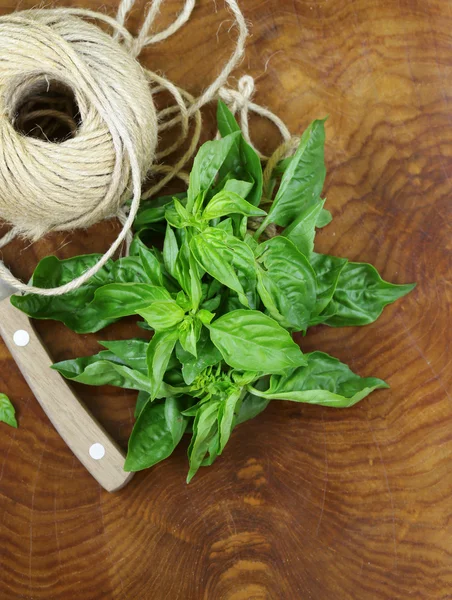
(222, 303)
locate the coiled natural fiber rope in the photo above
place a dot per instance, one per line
(52, 186)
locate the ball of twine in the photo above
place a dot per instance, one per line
(59, 185)
(78, 125)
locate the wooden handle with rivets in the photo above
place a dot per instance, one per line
(82, 433)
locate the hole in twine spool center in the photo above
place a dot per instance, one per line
(47, 110)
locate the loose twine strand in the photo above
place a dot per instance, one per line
(184, 111)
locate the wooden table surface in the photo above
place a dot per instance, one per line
(307, 502)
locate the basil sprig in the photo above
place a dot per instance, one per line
(222, 302)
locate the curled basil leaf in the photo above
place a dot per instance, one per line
(324, 380)
(7, 412)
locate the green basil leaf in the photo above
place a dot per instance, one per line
(72, 309)
(213, 450)
(325, 218)
(174, 418)
(7, 412)
(117, 300)
(205, 427)
(170, 251)
(361, 294)
(227, 203)
(252, 405)
(212, 304)
(142, 399)
(303, 179)
(242, 162)
(103, 372)
(157, 432)
(242, 188)
(204, 316)
(227, 259)
(327, 271)
(206, 165)
(159, 353)
(153, 211)
(243, 378)
(151, 264)
(226, 225)
(252, 341)
(227, 416)
(207, 356)
(162, 314)
(242, 228)
(293, 289)
(76, 366)
(183, 301)
(131, 352)
(129, 269)
(175, 217)
(324, 380)
(189, 332)
(187, 272)
(301, 231)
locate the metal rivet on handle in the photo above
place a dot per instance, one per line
(21, 337)
(97, 451)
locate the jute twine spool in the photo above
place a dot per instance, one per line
(102, 101)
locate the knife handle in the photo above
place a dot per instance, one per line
(82, 433)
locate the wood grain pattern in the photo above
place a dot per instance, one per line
(307, 503)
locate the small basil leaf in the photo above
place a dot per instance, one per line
(252, 341)
(242, 162)
(205, 427)
(226, 225)
(213, 450)
(195, 281)
(189, 332)
(170, 251)
(361, 294)
(207, 163)
(162, 314)
(158, 356)
(183, 301)
(207, 355)
(204, 316)
(227, 415)
(324, 380)
(325, 218)
(153, 211)
(157, 432)
(7, 412)
(174, 218)
(227, 203)
(151, 265)
(303, 179)
(212, 304)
